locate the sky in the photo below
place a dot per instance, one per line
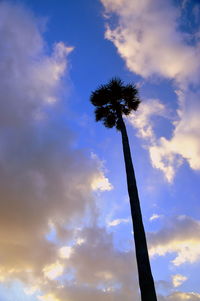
(66, 231)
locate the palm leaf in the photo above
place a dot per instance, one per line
(110, 120)
(101, 113)
(100, 96)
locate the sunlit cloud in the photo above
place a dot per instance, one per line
(178, 279)
(180, 236)
(53, 270)
(65, 252)
(187, 251)
(184, 143)
(48, 297)
(79, 241)
(100, 182)
(180, 296)
(31, 290)
(165, 159)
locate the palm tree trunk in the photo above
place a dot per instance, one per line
(144, 270)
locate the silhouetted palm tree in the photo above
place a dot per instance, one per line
(112, 101)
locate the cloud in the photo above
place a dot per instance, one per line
(142, 119)
(100, 182)
(180, 236)
(179, 296)
(118, 221)
(65, 252)
(54, 270)
(45, 182)
(99, 270)
(185, 139)
(178, 279)
(154, 217)
(48, 297)
(148, 37)
(167, 154)
(92, 259)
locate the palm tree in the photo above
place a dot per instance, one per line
(112, 101)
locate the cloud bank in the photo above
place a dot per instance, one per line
(46, 184)
(180, 236)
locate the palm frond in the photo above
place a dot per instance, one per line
(101, 113)
(133, 105)
(110, 120)
(131, 97)
(115, 86)
(116, 81)
(126, 110)
(100, 97)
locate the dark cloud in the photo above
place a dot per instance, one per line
(43, 179)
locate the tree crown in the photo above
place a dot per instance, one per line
(113, 100)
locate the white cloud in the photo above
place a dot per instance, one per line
(65, 252)
(154, 217)
(165, 159)
(100, 182)
(118, 221)
(185, 141)
(141, 119)
(54, 270)
(178, 279)
(167, 154)
(148, 38)
(162, 154)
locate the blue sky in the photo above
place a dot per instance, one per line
(66, 232)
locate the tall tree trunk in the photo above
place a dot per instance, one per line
(144, 270)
